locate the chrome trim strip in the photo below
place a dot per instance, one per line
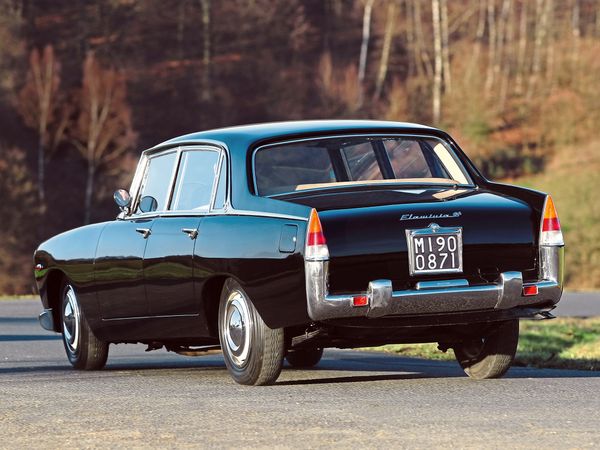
(440, 284)
(227, 212)
(113, 319)
(382, 135)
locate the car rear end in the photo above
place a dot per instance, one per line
(404, 229)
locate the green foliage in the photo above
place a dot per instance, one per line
(562, 343)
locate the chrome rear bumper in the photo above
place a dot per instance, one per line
(432, 297)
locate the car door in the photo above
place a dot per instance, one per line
(119, 266)
(169, 257)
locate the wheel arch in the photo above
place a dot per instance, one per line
(54, 282)
(211, 295)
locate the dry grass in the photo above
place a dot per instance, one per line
(572, 177)
(564, 343)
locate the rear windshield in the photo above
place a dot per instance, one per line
(335, 162)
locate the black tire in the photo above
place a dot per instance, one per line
(492, 355)
(253, 352)
(304, 358)
(84, 350)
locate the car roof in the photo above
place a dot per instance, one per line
(244, 135)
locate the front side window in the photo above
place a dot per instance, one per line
(195, 180)
(339, 161)
(156, 183)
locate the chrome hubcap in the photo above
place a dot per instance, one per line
(71, 320)
(236, 328)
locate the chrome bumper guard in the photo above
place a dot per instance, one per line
(434, 297)
(46, 320)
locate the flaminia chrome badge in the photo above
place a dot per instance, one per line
(453, 215)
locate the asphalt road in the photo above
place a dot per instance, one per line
(578, 304)
(352, 399)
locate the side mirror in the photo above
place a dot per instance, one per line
(148, 204)
(122, 199)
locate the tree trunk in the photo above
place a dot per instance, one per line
(474, 61)
(206, 56)
(489, 78)
(89, 191)
(425, 61)
(508, 58)
(385, 51)
(576, 31)
(180, 27)
(550, 12)
(364, 47)
(445, 47)
(41, 174)
(540, 37)
(437, 74)
(503, 24)
(522, 49)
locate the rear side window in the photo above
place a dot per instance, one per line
(195, 180)
(157, 181)
(282, 169)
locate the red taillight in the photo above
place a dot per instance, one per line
(315, 230)
(360, 300)
(550, 222)
(316, 245)
(551, 233)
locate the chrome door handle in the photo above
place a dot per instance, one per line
(144, 232)
(191, 232)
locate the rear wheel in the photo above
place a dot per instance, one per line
(304, 358)
(253, 352)
(489, 356)
(84, 350)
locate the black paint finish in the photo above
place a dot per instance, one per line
(166, 287)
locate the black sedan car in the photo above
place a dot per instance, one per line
(277, 240)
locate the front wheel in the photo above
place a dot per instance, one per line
(489, 356)
(84, 350)
(253, 352)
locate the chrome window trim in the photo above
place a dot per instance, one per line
(222, 166)
(143, 171)
(228, 212)
(144, 176)
(381, 135)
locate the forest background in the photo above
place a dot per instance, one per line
(85, 86)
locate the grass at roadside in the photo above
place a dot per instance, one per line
(563, 343)
(572, 179)
(19, 297)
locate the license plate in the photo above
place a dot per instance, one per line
(434, 250)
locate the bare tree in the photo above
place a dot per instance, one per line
(445, 46)
(491, 19)
(479, 33)
(387, 45)
(541, 29)
(522, 49)
(38, 103)
(438, 60)
(102, 130)
(424, 62)
(206, 56)
(364, 48)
